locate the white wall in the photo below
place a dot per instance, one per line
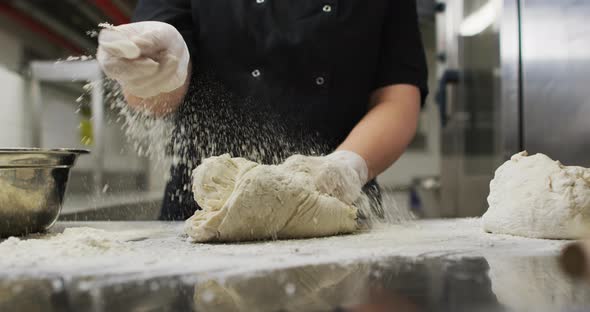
(60, 128)
(59, 123)
(11, 53)
(12, 117)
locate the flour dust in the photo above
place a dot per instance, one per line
(208, 124)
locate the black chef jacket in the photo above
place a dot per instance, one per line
(276, 77)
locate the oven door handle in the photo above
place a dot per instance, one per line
(449, 76)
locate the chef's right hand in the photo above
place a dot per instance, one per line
(146, 58)
(341, 174)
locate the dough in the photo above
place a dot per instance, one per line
(242, 200)
(535, 196)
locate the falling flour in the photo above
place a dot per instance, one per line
(212, 121)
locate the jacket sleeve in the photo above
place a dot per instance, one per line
(402, 59)
(178, 13)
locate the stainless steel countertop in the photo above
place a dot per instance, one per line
(439, 265)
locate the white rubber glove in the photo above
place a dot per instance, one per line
(146, 58)
(342, 175)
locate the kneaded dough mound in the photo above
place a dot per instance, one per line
(242, 201)
(535, 196)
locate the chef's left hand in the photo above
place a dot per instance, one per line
(342, 175)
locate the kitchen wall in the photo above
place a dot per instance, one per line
(12, 131)
(12, 119)
(60, 120)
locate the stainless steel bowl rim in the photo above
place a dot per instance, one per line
(21, 150)
(38, 157)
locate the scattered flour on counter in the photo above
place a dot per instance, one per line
(158, 249)
(73, 242)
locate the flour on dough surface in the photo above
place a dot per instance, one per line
(535, 196)
(242, 201)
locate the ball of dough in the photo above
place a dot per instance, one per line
(535, 196)
(244, 201)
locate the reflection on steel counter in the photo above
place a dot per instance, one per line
(395, 284)
(575, 260)
(399, 284)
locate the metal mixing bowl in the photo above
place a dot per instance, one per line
(32, 187)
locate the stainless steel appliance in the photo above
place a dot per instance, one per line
(515, 76)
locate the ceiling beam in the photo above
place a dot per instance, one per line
(28, 8)
(125, 6)
(111, 10)
(88, 10)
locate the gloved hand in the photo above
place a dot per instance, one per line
(342, 175)
(146, 58)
